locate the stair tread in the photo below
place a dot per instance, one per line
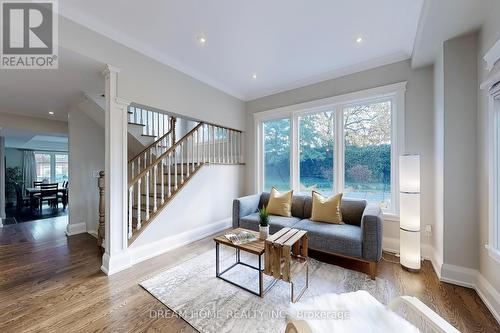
(131, 123)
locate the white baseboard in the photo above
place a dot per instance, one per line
(391, 245)
(489, 295)
(92, 233)
(472, 278)
(461, 276)
(115, 263)
(76, 228)
(458, 275)
(147, 251)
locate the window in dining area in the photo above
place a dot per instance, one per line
(51, 167)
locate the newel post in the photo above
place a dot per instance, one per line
(173, 121)
(102, 220)
(116, 256)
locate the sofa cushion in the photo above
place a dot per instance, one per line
(326, 209)
(276, 223)
(297, 204)
(344, 239)
(352, 210)
(280, 203)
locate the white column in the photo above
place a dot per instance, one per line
(2, 179)
(116, 256)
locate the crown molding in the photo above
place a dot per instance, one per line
(148, 51)
(337, 73)
(492, 56)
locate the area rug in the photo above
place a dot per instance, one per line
(209, 304)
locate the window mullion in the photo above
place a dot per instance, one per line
(294, 158)
(338, 169)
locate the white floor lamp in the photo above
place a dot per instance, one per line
(409, 201)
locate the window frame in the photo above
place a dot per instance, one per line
(493, 245)
(52, 155)
(393, 92)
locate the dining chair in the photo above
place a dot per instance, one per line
(37, 183)
(62, 196)
(22, 200)
(48, 192)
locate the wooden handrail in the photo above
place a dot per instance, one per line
(166, 173)
(159, 158)
(151, 145)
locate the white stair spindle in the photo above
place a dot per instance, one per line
(204, 143)
(147, 195)
(182, 162)
(130, 215)
(192, 152)
(208, 144)
(187, 156)
(198, 147)
(169, 175)
(155, 189)
(175, 168)
(219, 136)
(162, 171)
(139, 212)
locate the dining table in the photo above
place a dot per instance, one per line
(32, 191)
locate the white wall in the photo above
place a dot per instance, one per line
(38, 125)
(460, 105)
(86, 154)
(419, 132)
(145, 81)
(437, 236)
(488, 268)
(202, 207)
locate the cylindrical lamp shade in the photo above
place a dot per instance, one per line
(409, 211)
(409, 173)
(409, 249)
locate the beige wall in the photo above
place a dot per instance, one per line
(419, 132)
(490, 33)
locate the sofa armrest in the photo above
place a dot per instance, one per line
(371, 230)
(244, 206)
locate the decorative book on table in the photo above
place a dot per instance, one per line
(241, 237)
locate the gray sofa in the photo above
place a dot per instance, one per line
(359, 238)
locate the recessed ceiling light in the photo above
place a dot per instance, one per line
(359, 40)
(51, 113)
(254, 76)
(202, 39)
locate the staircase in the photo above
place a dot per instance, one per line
(159, 172)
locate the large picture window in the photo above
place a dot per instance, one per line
(367, 162)
(316, 152)
(277, 154)
(348, 144)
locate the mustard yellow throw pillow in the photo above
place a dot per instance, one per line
(280, 204)
(326, 209)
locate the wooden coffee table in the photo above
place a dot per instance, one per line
(256, 248)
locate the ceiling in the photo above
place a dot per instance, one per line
(445, 19)
(23, 139)
(35, 92)
(286, 43)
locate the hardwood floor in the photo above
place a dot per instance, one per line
(52, 283)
